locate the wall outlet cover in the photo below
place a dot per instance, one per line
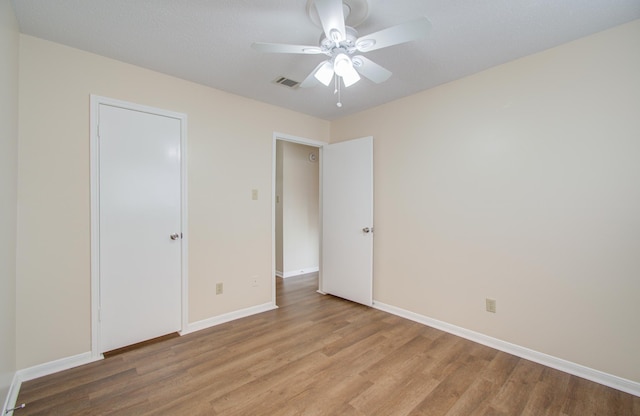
(490, 305)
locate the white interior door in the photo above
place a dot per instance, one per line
(139, 226)
(347, 220)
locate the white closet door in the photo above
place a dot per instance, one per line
(140, 226)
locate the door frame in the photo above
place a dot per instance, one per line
(307, 142)
(95, 102)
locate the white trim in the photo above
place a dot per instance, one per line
(569, 367)
(95, 221)
(12, 394)
(56, 366)
(300, 272)
(95, 101)
(321, 215)
(294, 139)
(298, 139)
(227, 317)
(184, 220)
(42, 370)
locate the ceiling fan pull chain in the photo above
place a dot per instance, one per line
(339, 91)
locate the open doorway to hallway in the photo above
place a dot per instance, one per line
(297, 209)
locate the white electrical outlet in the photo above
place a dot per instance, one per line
(219, 288)
(254, 281)
(490, 305)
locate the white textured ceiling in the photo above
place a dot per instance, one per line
(209, 41)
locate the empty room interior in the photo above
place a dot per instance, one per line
(496, 267)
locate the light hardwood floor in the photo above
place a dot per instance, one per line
(318, 355)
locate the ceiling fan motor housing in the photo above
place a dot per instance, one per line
(330, 48)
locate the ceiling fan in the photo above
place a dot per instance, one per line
(341, 44)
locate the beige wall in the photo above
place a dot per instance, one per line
(8, 192)
(229, 154)
(299, 200)
(520, 183)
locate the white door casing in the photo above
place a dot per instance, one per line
(138, 224)
(347, 220)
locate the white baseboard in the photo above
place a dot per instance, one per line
(12, 394)
(569, 367)
(279, 273)
(300, 272)
(42, 370)
(227, 317)
(51, 367)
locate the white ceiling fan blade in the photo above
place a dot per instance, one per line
(322, 73)
(369, 69)
(394, 35)
(331, 14)
(284, 48)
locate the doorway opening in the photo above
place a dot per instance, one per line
(345, 243)
(296, 207)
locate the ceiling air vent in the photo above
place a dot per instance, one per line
(286, 82)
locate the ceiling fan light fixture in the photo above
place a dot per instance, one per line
(341, 64)
(343, 67)
(350, 77)
(324, 74)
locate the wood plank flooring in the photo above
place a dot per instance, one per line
(318, 355)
